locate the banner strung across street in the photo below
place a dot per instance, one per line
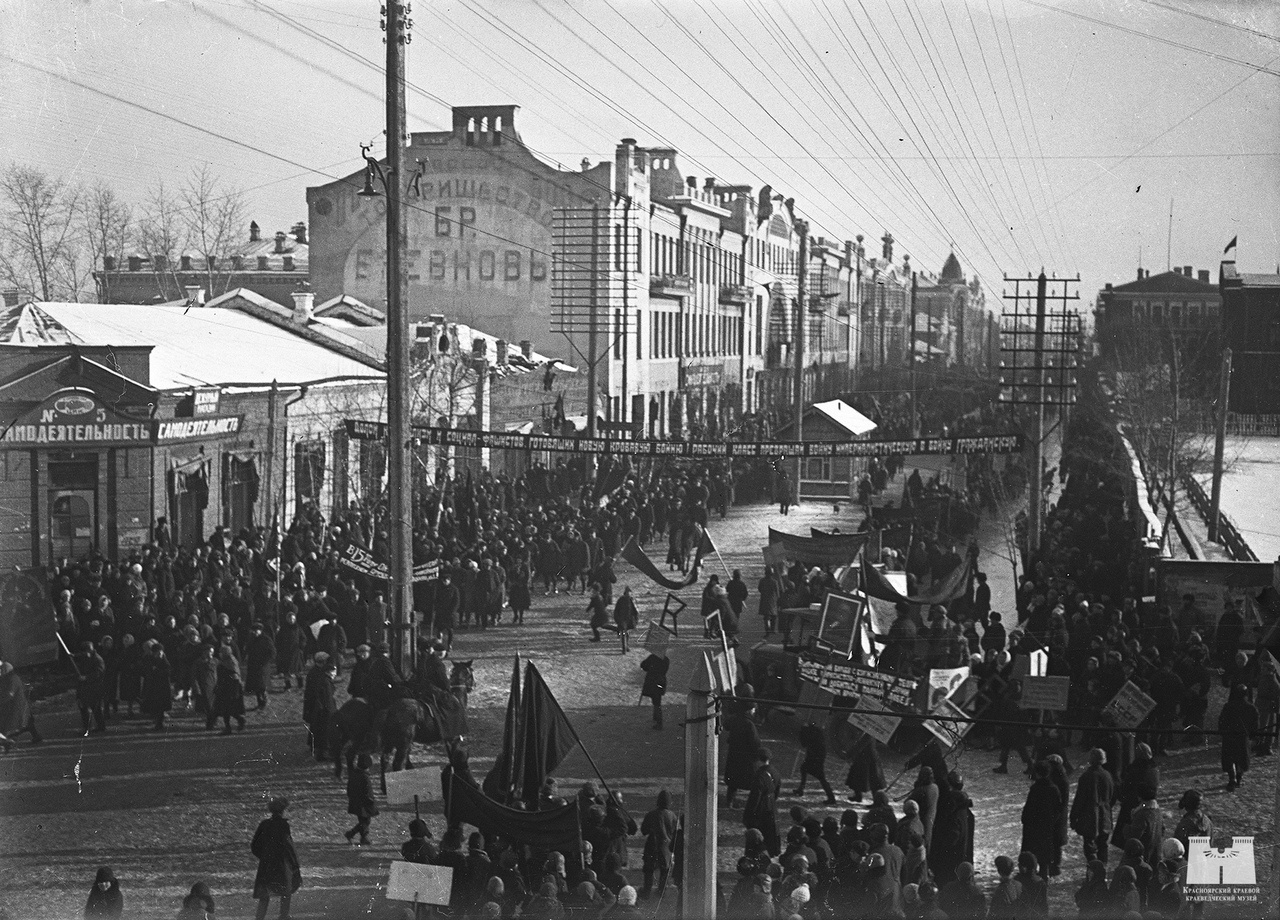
(849, 679)
(499, 440)
(359, 559)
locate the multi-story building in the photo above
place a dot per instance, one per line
(1251, 329)
(273, 268)
(676, 299)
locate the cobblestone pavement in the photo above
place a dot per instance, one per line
(167, 810)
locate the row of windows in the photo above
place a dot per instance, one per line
(1177, 313)
(704, 335)
(705, 261)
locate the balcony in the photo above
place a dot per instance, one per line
(670, 285)
(738, 295)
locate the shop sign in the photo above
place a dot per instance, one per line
(197, 429)
(74, 417)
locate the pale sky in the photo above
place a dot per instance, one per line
(1027, 134)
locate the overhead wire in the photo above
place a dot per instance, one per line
(1213, 19)
(1173, 43)
(995, 94)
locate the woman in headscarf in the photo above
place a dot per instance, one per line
(105, 899)
(157, 684)
(659, 828)
(228, 696)
(198, 905)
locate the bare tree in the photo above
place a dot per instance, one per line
(202, 222)
(39, 236)
(108, 229)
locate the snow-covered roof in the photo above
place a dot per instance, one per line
(841, 413)
(191, 346)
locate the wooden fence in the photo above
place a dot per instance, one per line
(1231, 538)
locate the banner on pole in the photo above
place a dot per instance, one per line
(873, 718)
(852, 680)
(403, 785)
(943, 682)
(1130, 706)
(1011, 443)
(360, 560)
(948, 732)
(1048, 693)
(657, 639)
(419, 883)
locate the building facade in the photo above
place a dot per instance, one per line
(1251, 329)
(272, 267)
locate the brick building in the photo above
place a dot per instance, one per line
(1251, 328)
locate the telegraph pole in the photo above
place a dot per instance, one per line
(802, 309)
(915, 426)
(399, 484)
(1037, 443)
(1219, 444)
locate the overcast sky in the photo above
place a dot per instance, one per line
(1027, 134)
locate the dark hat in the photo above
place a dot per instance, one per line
(278, 805)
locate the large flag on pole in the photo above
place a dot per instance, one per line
(500, 783)
(946, 589)
(636, 556)
(553, 829)
(545, 731)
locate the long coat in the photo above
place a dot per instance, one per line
(952, 835)
(228, 696)
(1091, 810)
(91, 679)
(15, 704)
(204, 680)
(262, 655)
(360, 801)
(157, 686)
(1040, 820)
(744, 743)
(865, 771)
(1238, 720)
(278, 869)
(318, 702)
(659, 828)
(926, 797)
(655, 669)
(289, 645)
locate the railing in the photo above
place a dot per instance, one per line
(671, 285)
(1238, 424)
(1231, 538)
(734, 293)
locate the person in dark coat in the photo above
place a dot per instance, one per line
(742, 747)
(1033, 903)
(762, 800)
(130, 687)
(290, 642)
(655, 669)
(228, 696)
(866, 775)
(360, 801)
(105, 899)
(15, 708)
(961, 898)
(599, 614)
(198, 904)
(625, 617)
(952, 831)
(279, 873)
(813, 740)
(318, 704)
(91, 673)
(659, 829)
(1058, 776)
(925, 794)
(1040, 818)
(448, 600)
(1093, 897)
(157, 685)
(261, 658)
(1238, 722)
(332, 639)
(1090, 815)
(1140, 782)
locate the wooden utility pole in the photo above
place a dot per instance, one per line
(915, 427)
(593, 328)
(1219, 444)
(701, 806)
(1037, 443)
(399, 483)
(802, 311)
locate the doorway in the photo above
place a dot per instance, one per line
(71, 523)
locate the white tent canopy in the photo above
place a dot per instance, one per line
(845, 416)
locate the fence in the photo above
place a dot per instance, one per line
(1238, 424)
(1227, 532)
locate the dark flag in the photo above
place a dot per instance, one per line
(498, 785)
(636, 556)
(552, 829)
(1231, 245)
(546, 734)
(948, 588)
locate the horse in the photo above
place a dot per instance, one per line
(462, 680)
(350, 733)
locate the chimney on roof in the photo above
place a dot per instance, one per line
(304, 305)
(108, 263)
(300, 233)
(195, 295)
(254, 233)
(161, 263)
(12, 297)
(692, 182)
(185, 262)
(502, 353)
(1203, 275)
(288, 263)
(135, 263)
(237, 263)
(280, 238)
(526, 348)
(586, 164)
(1187, 270)
(887, 247)
(262, 264)
(479, 348)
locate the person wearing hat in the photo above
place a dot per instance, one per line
(625, 616)
(760, 810)
(374, 677)
(290, 642)
(279, 872)
(418, 848)
(157, 685)
(260, 660)
(105, 899)
(228, 695)
(318, 704)
(90, 677)
(360, 801)
(432, 676)
(1090, 815)
(332, 639)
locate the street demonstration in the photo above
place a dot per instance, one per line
(854, 676)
